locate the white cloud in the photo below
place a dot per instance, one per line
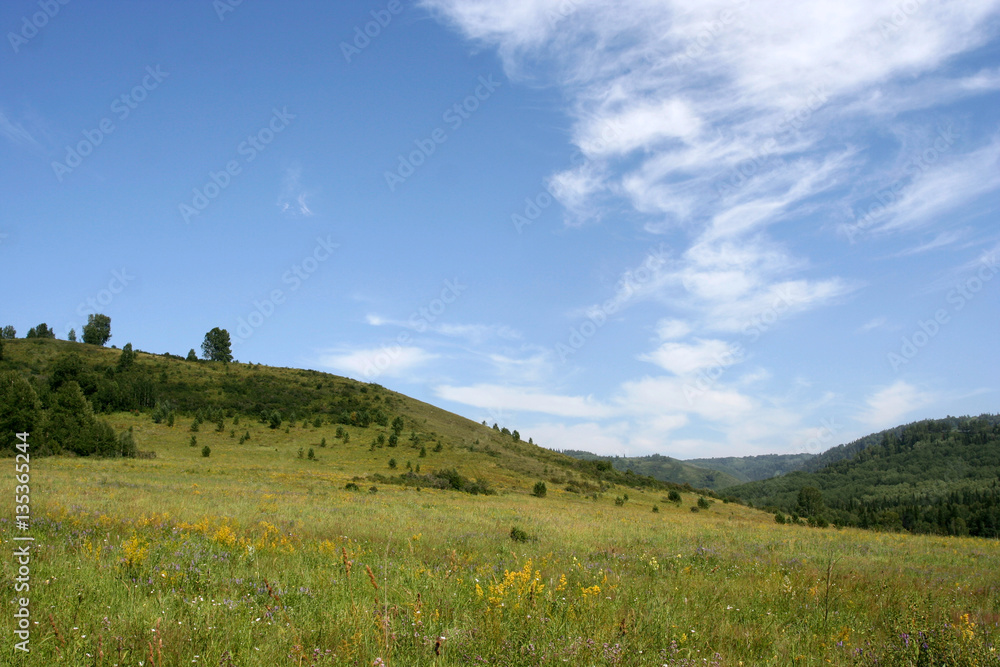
(940, 241)
(873, 324)
(504, 398)
(761, 310)
(371, 363)
(15, 132)
(575, 188)
(725, 124)
(888, 406)
(531, 366)
(589, 437)
(668, 329)
(656, 396)
(688, 358)
(475, 333)
(293, 197)
(725, 118)
(642, 125)
(939, 189)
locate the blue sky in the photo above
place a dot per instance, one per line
(695, 229)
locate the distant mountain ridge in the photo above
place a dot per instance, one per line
(712, 473)
(665, 469)
(754, 468)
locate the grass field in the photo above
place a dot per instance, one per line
(255, 556)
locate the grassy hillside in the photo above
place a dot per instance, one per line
(254, 556)
(753, 468)
(258, 554)
(934, 476)
(664, 468)
(214, 393)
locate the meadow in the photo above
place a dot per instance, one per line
(259, 555)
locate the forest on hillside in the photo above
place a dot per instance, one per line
(934, 476)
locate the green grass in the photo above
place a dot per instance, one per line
(242, 559)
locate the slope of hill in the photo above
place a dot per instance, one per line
(936, 476)
(851, 449)
(754, 468)
(666, 469)
(216, 396)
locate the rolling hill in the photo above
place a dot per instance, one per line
(935, 476)
(215, 394)
(754, 468)
(666, 469)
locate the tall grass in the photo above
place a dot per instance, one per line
(255, 556)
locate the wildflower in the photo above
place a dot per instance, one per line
(968, 628)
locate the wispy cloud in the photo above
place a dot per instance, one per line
(873, 324)
(604, 439)
(15, 132)
(474, 333)
(524, 399)
(371, 363)
(726, 118)
(890, 405)
(941, 240)
(721, 125)
(940, 189)
(293, 199)
(688, 358)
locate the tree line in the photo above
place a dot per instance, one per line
(216, 346)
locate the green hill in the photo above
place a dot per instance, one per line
(215, 395)
(753, 468)
(935, 476)
(666, 469)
